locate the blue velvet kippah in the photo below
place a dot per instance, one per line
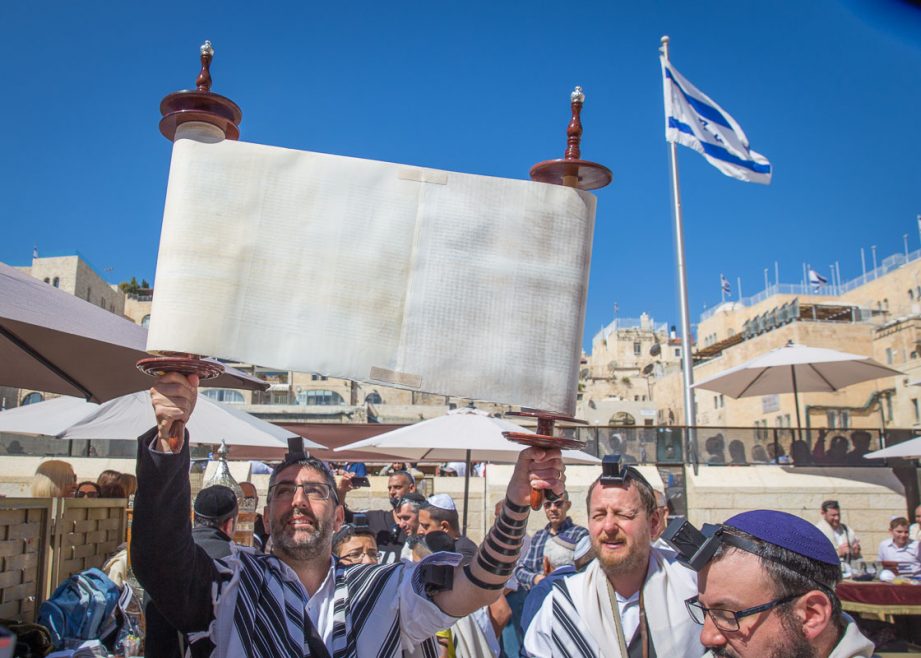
(787, 531)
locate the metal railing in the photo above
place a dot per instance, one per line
(889, 264)
(739, 446)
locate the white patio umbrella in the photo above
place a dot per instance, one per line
(47, 418)
(910, 449)
(461, 435)
(129, 416)
(794, 368)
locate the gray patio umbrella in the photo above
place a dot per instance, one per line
(53, 341)
(794, 368)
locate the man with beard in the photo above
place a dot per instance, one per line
(384, 524)
(629, 602)
(847, 543)
(294, 602)
(769, 592)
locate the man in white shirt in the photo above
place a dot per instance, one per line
(901, 548)
(842, 538)
(630, 601)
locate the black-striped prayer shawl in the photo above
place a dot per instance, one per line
(260, 611)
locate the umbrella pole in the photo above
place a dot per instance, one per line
(799, 423)
(466, 492)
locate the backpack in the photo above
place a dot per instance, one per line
(81, 608)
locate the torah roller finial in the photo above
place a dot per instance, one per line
(571, 170)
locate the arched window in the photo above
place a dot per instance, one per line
(56, 282)
(32, 398)
(622, 418)
(911, 294)
(47, 280)
(374, 398)
(320, 397)
(145, 321)
(227, 395)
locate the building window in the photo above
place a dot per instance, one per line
(56, 282)
(226, 395)
(314, 377)
(886, 303)
(889, 356)
(637, 348)
(911, 294)
(145, 321)
(47, 280)
(916, 409)
(321, 398)
(832, 418)
(677, 352)
(716, 402)
(32, 398)
(889, 407)
(374, 398)
(722, 401)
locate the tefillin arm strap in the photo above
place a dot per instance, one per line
(498, 553)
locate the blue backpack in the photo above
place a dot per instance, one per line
(81, 608)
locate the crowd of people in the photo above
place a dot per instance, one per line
(826, 450)
(324, 579)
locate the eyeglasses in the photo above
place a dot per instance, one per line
(86, 494)
(355, 556)
(314, 491)
(558, 504)
(728, 620)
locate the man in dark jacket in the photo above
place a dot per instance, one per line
(215, 518)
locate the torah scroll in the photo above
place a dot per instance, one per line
(455, 284)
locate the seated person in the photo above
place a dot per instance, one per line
(355, 544)
(900, 548)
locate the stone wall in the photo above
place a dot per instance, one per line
(869, 497)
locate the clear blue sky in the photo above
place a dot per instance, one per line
(828, 90)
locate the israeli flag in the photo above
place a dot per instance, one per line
(692, 119)
(816, 280)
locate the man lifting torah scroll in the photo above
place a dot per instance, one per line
(435, 281)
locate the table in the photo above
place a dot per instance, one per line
(881, 599)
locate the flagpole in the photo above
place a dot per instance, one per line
(690, 414)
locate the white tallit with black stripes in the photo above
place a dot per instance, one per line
(577, 620)
(379, 610)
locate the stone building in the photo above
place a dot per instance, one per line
(876, 315)
(74, 275)
(617, 381)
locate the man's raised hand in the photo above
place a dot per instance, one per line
(173, 396)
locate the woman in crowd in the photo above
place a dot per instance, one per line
(54, 479)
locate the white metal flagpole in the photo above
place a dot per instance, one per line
(690, 414)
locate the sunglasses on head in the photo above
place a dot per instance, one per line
(558, 503)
